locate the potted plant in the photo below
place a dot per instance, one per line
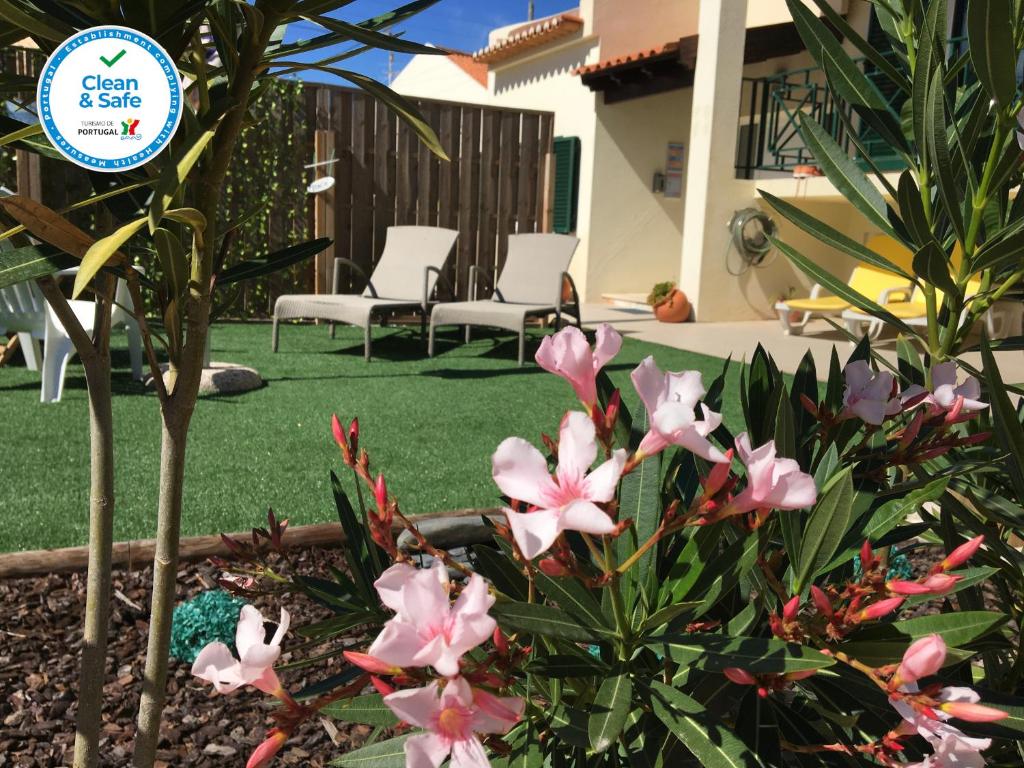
(669, 303)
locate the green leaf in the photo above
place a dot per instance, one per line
(609, 710)
(35, 24)
(1005, 420)
(956, 628)
(22, 133)
(993, 53)
(501, 572)
(844, 173)
(714, 745)
(369, 710)
(931, 266)
(174, 175)
(373, 38)
(101, 252)
(755, 654)
(938, 145)
(383, 754)
(173, 260)
(357, 547)
(546, 621)
(560, 665)
(822, 232)
(274, 262)
(840, 288)
(31, 261)
(825, 529)
(640, 499)
(575, 599)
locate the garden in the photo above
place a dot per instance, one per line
(646, 557)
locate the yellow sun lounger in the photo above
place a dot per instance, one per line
(1001, 321)
(875, 284)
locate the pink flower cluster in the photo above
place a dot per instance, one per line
(874, 396)
(571, 498)
(429, 630)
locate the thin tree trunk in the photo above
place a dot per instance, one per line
(165, 575)
(101, 537)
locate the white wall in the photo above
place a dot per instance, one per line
(438, 77)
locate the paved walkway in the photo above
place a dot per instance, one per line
(740, 338)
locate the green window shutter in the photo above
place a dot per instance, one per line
(567, 183)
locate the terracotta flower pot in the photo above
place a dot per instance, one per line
(674, 309)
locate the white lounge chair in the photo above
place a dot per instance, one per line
(24, 311)
(530, 285)
(403, 280)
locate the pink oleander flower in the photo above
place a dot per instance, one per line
(868, 395)
(924, 658)
(961, 554)
(772, 483)
(452, 717)
(568, 354)
(945, 392)
(670, 400)
(256, 657)
(566, 502)
(428, 630)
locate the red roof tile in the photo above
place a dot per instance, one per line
(475, 69)
(630, 58)
(530, 35)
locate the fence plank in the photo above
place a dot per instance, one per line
(469, 198)
(526, 208)
(508, 181)
(489, 141)
(323, 204)
(383, 176)
(408, 178)
(426, 202)
(545, 180)
(362, 181)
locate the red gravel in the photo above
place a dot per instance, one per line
(40, 639)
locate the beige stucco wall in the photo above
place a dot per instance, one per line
(634, 232)
(438, 77)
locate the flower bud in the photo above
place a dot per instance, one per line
(353, 435)
(881, 608)
(380, 493)
(718, 475)
(923, 658)
(790, 609)
(936, 584)
(338, 431)
(611, 413)
(382, 687)
(370, 663)
(821, 602)
(974, 713)
(961, 554)
(500, 641)
(265, 753)
(867, 557)
(739, 676)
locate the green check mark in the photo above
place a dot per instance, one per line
(113, 61)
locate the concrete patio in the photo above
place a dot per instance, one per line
(739, 339)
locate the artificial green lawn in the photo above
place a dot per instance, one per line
(430, 425)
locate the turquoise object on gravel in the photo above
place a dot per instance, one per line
(207, 618)
(899, 567)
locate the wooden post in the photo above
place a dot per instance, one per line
(548, 217)
(323, 216)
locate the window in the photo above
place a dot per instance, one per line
(567, 183)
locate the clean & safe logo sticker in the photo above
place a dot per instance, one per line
(109, 98)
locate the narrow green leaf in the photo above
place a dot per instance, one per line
(23, 133)
(755, 654)
(561, 665)
(369, 710)
(712, 743)
(101, 252)
(938, 146)
(990, 36)
(957, 629)
(546, 621)
(174, 175)
(930, 265)
(383, 754)
(826, 527)
(575, 599)
(844, 173)
(1005, 420)
(173, 260)
(373, 38)
(274, 262)
(609, 710)
(30, 262)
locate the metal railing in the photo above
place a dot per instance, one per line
(769, 137)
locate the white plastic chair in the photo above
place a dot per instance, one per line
(24, 311)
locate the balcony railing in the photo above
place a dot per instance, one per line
(769, 137)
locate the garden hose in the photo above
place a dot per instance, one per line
(751, 229)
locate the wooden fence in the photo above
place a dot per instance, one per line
(497, 182)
